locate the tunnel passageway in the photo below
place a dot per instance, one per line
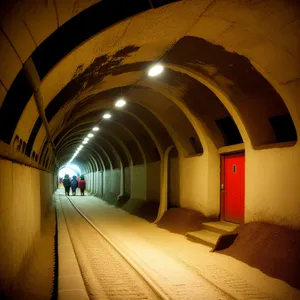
(179, 114)
(189, 273)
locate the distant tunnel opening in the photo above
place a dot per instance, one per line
(70, 170)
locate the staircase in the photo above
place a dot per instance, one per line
(211, 232)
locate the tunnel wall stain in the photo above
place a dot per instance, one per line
(95, 73)
(247, 88)
(233, 66)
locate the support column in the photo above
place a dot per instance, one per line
(164, 174)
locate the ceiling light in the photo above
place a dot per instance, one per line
(107, 116)
(86, 139)
(84, 142)
(90, 135)
(95, 129)
(155, 70)
(120, 103)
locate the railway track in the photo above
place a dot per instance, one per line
(110, 273)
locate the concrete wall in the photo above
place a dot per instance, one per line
(193, 183)
(153, 182)
(112, 185)
(25, 195)
(173, 182)
(138, 182)
(272, 186)
(141, 182)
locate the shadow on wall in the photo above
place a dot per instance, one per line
(143, 209)
(181, 220)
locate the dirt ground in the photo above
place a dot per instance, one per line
(273, 249)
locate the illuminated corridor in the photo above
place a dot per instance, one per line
(181, 117)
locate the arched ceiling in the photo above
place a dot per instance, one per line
(96, 52)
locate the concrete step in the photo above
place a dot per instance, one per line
(203, 236)
(221, 227)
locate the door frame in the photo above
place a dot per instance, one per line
(222, 177)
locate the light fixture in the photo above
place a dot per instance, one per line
(84, 142)
(120, 103)
(86, 139)
(80, 147)
(155, 70)
(90, 135)
(107, 116)
(95, 128)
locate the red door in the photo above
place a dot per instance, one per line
(233, 187)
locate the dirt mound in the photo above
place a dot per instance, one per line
(182, 220)
(271, 248)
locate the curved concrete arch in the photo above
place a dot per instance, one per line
(88, 147)
(170, 131)
(201, 130)
(139, 120)
(130, 134)
(118, 140)
(71, 133)
(88, 118)
(286, 94)
(133, 138)
(116, 162)
(222, 96)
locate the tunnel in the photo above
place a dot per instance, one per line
(180, 115)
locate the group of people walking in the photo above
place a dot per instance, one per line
(74, 183)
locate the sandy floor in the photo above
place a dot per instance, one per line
(139, 236)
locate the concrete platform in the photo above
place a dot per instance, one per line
(220, 227)
(211, 232)
(204, 237)
(70, 281)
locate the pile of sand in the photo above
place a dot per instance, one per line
(182, 220)
(273, 249)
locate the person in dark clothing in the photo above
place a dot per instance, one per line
(81, 185)
(74, 185)
(67, 184)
